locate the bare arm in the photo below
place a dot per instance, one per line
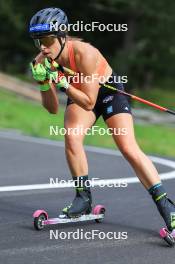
(87, 95)
(80, 98)
(50, 100)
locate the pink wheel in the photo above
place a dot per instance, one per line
(39, 212)
(163, 232)
(167, 236)
(39, 217)
(99, 209)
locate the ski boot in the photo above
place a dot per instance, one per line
(167, 210)
(82, 204)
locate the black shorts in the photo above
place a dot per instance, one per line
(109, 102)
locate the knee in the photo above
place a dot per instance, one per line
(131, 153)
(73, 143)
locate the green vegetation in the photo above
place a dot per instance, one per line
(145, 52)
(31, 119)
(156, 95)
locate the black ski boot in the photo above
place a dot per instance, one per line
(82, 204)
(165, 206)
(167, 210)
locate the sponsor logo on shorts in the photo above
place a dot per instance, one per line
(109, 109)
(126, 108)
(108, 99)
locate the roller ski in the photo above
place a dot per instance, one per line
(79, 210)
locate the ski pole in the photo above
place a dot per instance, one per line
(134, 97)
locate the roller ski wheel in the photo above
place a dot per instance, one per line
(168, 236)
(99, 210)
(39, 217)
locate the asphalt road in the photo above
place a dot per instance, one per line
(27, 161)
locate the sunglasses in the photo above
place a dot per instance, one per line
(45, 41)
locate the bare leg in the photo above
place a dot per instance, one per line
(144, 168)
(79, 119)
(75, 116)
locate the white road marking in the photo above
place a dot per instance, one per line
(27, 139)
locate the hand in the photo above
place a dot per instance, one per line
(54, 72)
(62, 84)
(44, 72)
(49, 73)
(39, 72)
(51, 69)
(40, 75)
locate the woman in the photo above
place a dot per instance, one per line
(86, 102)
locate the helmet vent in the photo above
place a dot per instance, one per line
(37, 19)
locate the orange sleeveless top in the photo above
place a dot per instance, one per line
(101, 68)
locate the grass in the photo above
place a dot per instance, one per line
(32, 119)
(162, 97)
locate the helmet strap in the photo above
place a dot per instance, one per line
(62, 47)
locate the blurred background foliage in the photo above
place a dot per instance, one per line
(145, 53)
